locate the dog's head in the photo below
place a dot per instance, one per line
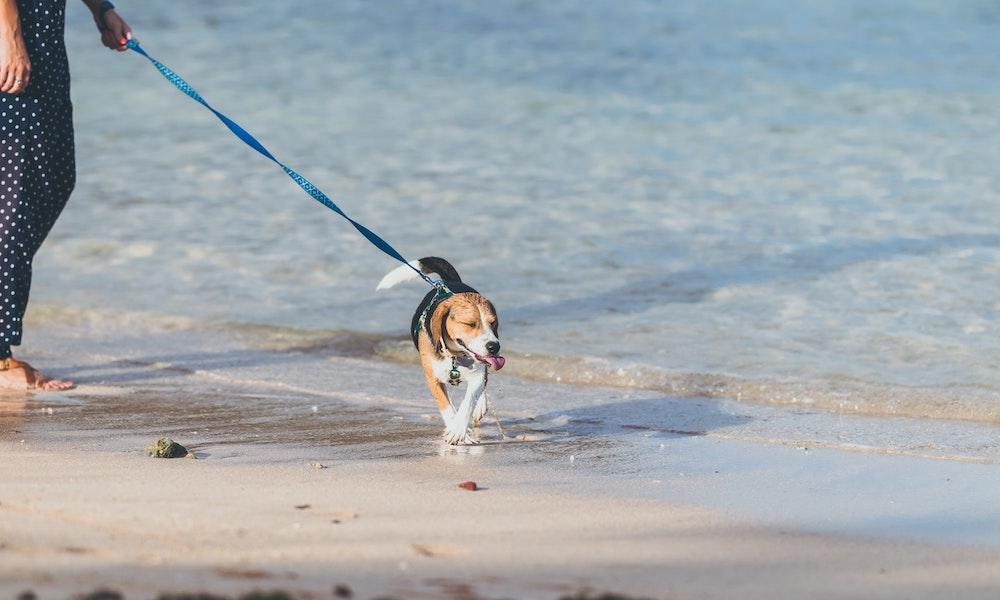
(468, 324)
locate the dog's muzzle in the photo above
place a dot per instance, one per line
(493, 358)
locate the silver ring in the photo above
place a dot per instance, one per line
(18, 81)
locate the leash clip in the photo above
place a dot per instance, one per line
(439, 285)
(443, 291)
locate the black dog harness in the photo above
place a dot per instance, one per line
(427, 306)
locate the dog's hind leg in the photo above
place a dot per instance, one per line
(457, 431)
(482, 406)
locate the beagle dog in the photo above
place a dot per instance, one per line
(455, 330)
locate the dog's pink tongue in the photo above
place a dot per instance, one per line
(496, 362)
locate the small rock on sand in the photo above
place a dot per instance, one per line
(468, 485)
(167, 448)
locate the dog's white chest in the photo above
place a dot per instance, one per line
(445, 369)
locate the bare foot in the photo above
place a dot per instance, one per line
(19, 375)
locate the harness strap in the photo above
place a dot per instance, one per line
(443, 293)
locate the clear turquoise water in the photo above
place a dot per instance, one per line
(768, 201)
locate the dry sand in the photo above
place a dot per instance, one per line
(71, 523)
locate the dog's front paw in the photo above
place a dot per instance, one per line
(459, 435)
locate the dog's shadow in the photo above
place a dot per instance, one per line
(604, 425)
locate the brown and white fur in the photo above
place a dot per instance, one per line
(460, 331)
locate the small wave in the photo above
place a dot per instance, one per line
(332, 342)
(836, 395)
(84, 318)
(842, 396)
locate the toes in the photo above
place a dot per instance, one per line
(458, 438)
(479, 414)
(55, 385)
(20, 375)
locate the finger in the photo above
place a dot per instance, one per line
(124, 37)
(7, 86)
(20, 80)
(108, 39)
(14, 79)
(118, 28)
(7, 77)
(25, 76)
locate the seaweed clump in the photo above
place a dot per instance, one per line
(168, 448)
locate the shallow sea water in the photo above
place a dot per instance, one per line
(749, 201)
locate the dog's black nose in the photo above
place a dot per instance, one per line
(493, 348)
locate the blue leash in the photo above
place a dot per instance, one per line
(304, 183)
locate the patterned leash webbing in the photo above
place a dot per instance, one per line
(251, 141)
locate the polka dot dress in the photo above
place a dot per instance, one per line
(37, 168)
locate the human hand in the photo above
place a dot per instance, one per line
(15, 66)
(115, 32)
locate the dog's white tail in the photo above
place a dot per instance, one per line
(429, 265)
(398, 275)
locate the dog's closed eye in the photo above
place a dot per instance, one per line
(466, 319)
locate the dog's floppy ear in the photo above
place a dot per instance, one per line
(437, 324)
